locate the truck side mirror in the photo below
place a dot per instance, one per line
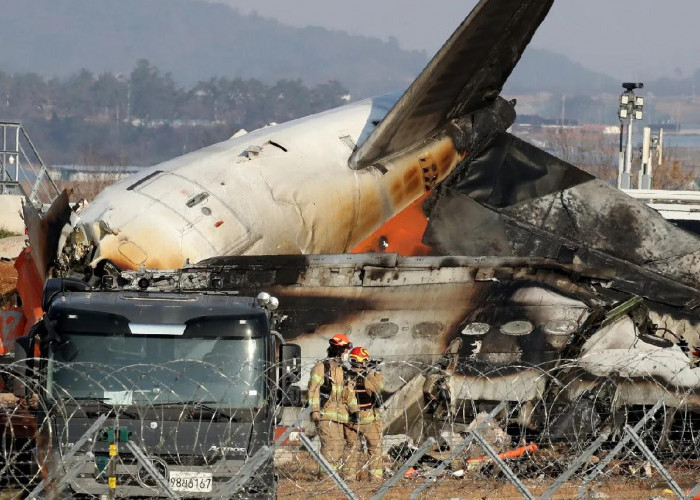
(290, 359)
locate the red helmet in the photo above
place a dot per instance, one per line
(340, 340)
(359, 355)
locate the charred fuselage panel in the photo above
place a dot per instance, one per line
(505, 321)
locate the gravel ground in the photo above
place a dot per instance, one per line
(298, 479)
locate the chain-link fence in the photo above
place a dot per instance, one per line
(450, 429)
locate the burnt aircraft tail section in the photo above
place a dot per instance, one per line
(467, 74)
(514, 200)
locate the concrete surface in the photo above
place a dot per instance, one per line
(12, 246)
(10, 213)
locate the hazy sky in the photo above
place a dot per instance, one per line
(627, 39)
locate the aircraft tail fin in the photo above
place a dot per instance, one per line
(467, 73)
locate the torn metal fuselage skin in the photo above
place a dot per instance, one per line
(513, 200)
(515, 324)
(320, 184)
(524, 202)
(537, 248)
(403, 309)
(280, 190)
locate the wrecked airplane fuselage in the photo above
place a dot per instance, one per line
(273, 191)
(530, 255)
(320, 184)
(527, 331)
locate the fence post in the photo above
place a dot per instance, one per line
(402, 470)
(246, 473)
(608, 458)
(72, 473)
(327, 467)
(515, 481)
(92, 430)
(152, 471)
(580, 460)
(654, 461)
(249, 469)
(457, 451)
(693, 493)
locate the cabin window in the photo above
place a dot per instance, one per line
(428, 329)
(382, 330)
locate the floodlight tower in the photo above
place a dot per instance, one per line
(631, 108)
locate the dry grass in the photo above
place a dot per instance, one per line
(298, 479)
(5, 233)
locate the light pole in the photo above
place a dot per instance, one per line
(631, 108)
(651, 144)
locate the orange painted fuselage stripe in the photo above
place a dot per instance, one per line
(403, 232)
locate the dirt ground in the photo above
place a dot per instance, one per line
(8, 278)
(454, 489)
(298, 480)
(451, 488)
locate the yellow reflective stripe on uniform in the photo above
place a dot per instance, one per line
(317, 378)
(332, 415)
(369, 416)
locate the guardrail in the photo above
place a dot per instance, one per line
(22, 171)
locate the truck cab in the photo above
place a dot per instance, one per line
(194, 380)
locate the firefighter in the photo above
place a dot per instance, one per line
(436, 389)
(368, 385)
(331, 398)
(438, 398)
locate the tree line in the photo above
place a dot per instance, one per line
(146, 117)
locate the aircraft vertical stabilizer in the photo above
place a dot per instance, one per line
(466, 74)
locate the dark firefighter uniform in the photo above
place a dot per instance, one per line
(368, 385)
(438, 398)
(331, 398)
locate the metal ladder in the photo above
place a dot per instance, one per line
(22, 171)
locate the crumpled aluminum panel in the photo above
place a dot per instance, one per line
(516, 200)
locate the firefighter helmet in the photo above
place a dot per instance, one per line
(340, 340)
(359, 356)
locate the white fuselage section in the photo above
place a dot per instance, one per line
(282, 189)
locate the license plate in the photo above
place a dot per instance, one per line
(190, 481)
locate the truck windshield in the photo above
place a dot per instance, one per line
(147, 370)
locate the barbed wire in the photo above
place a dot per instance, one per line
(503, 431)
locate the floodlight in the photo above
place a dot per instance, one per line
(624, 99)
(638, 115)
(632, 85)
(623, 113)
(639, 101)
